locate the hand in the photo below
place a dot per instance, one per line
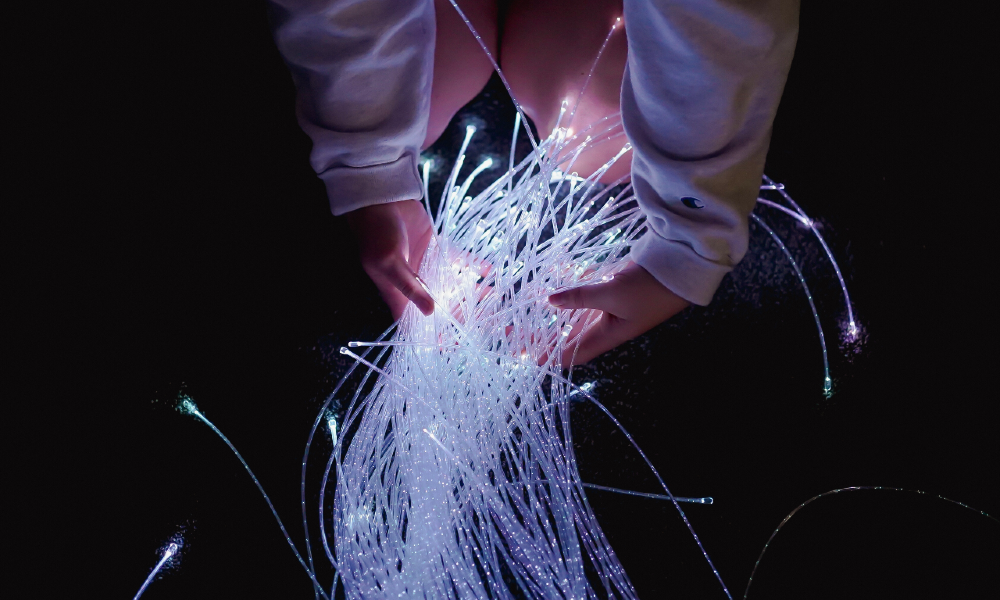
(393, 238)
(630, 304)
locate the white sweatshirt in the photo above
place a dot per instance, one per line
(701, 88)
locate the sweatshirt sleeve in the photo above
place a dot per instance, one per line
(700, 92)
(363, 72)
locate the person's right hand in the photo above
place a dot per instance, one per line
(631, 304)
(392, 238)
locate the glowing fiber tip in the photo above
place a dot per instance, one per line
(331, 423)
(188, 407)
(794, 210)
(168, 553)
(586, 387)
(703, 500)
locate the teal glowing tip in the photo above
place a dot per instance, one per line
(187, 406)
(827, 387)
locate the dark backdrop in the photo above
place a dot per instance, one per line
(166, 233)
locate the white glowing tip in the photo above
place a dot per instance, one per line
(169, 552)
(470, 129)
(331, 422)
(487, 163)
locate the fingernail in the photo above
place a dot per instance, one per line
(556, 300)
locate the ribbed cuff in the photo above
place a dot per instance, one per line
(351, 188)
(678, 267)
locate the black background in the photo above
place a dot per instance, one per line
(165, 232)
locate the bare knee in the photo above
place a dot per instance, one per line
(461, 69)
(547, 65)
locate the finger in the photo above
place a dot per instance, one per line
(612, 329)
(602, 296)
(402, 277)
(609, 332)
(568, 341)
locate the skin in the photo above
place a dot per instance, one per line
(629, 305)
(393, 237)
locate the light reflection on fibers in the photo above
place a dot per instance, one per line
(460, 480)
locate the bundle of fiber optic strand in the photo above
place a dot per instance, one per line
(456, 476)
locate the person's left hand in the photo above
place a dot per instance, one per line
(630, 304)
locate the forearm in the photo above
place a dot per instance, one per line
(701, 89)
(362, 71)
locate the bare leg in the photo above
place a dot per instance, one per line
(461, 69)
(548, 49)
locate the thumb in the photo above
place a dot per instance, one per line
(599, 296)
(402, 277)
